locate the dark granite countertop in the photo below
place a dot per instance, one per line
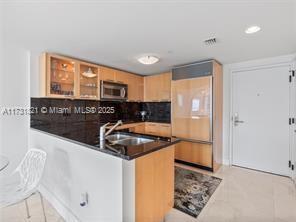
(86, 133)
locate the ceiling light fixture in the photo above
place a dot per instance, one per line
(148, 60)
(252, 29)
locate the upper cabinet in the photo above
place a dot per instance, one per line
(64, 77)
(157, 87)
(60, 75)
(88, 81)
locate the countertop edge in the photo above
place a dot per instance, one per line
(107, 151)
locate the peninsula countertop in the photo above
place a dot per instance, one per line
(87, 134)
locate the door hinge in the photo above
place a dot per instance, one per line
(293, 73)
(292, 167)
(291, 121)
(290, 163)
(290, 78)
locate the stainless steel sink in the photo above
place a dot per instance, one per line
(115, 137)
(133, 141)
(127, 140)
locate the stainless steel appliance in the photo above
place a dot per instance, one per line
(113, 91)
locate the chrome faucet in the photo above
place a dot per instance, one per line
(103, 132)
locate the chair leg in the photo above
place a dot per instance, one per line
(27, 208)
(42, 203)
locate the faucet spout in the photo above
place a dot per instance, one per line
(113, 127)
(103, 134)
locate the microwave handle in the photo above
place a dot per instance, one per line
(122, 92)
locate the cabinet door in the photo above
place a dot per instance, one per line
(139, 88)
(88, 81)
(151, 128)
(135, 87)
(196, 153)
(154, 180)
(151, 87)
(61, 75)
(192, 108)
(140, 128)
(121, 76)
(107, 74)
(158, 87)
(164, 94)
(164, 129)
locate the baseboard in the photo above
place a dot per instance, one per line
(63, 211)
(226, 162)
(194, 165)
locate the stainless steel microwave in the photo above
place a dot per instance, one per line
(113, 91)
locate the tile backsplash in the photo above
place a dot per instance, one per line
(52, 111)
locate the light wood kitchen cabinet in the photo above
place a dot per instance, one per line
(157, 129)
(160, 129)
(107, 74)
(64, 77)
(197, 92)
(121, 76)
(191, 100)
(154, 185)
(89, 85)
(138, 128)
(196, 153)
(157, 87)
(135, 87)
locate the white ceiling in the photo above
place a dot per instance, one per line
(115, 33)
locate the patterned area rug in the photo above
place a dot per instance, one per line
(193, 190)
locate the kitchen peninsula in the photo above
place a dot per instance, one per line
(129, 175)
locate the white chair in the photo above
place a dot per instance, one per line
(24, 181)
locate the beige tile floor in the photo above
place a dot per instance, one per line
(243, 196)
(17, 213)
(246, 196)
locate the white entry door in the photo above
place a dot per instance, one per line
(261, 119)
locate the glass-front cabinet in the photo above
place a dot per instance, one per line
(61, 78)
(88, 81)
(69, 78)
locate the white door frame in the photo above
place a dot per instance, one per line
(248, 66)
(293, 151)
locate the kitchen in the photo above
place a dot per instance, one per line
(168, 129)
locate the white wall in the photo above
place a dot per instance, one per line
(227, 69)
(14, 92)
(73, 169)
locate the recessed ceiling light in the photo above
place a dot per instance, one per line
(148, 60)
(252, 29)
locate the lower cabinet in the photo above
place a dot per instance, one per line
(196, 153)
(158, 129)
(154, 185)
(139, 128)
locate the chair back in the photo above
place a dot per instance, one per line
(31, 169)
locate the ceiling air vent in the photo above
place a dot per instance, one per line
(210, 41)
